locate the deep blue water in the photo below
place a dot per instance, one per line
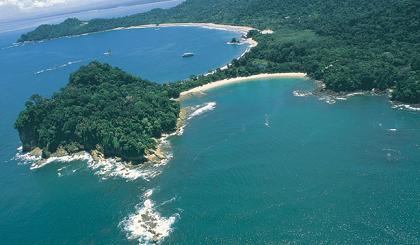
(256, 166)
(110, 12)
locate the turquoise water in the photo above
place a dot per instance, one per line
(42, 207)
(255, 164)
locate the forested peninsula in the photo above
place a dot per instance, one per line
(350, 45)
(102, 109)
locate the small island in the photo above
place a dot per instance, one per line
(102, 110)
(234, 41)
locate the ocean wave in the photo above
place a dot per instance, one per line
(67, 170)
(166, 147)
(105, 168)
(355, 94)
(405, 107)
(181, 130)
(25, 158)
(83, 156)
(111, 168)
(194, 111)
(299, 93)
(146, 225)
(327, 99)
(58, 66)
(198, 110)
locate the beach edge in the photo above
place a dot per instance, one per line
(221, 83)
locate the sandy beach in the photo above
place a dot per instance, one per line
(225, 82)
(242, 29)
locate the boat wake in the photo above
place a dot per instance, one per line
(13, 45)
(146, 225)
(267, 121)
(58, 66)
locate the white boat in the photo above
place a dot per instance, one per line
(188, 54)
(267, 122)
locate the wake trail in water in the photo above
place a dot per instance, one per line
(59, 66)
(13, 45)
(72, 62)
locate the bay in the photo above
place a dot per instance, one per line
(255, 164)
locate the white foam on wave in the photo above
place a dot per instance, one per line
(25, 158)
(202, 109)
(13, 45)
(146, 225)
(355, 94)
(106, 168)
(166, 146)
(111, 168)
(67, 170)
(298, 93)
(194, 111)
(83, 156)
(327, 99)
(58, 66)
(405, 107)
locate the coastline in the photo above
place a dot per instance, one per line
(241, 29)
(224, 82)
(159, 155)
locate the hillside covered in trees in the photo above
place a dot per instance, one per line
(102, 108)
(349, 44)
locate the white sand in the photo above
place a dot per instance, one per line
(225, 82)
(242, 29)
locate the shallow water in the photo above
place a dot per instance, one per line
(268, 167)
(254, 165)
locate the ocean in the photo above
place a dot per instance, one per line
(105, 12)
(255, 163)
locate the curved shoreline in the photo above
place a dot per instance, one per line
(224, 82)
(241, 29)
(213, 26)
(238, 29)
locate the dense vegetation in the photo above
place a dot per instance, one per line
(102, 108)
(349, 44)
